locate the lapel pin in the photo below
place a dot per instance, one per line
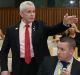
(34, 28)
(16, 28)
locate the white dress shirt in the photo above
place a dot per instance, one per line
(22, 39)
(59, 67)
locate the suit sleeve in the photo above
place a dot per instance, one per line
(55, 29)
(4, 52)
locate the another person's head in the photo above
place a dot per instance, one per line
(1, 34)
(27, 11)
(66, 48)
(71, 30)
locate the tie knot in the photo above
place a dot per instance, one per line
(26, 26)
(65, 64)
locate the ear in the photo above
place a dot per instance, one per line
(21, 14)
(71, 51)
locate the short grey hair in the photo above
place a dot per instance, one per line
(24, 5)
(69, 40)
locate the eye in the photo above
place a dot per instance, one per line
(29, 11)
(60, 49)
(33, 11)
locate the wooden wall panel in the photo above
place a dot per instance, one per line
(10, 16)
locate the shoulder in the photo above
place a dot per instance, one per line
(39, 23)
(11, 27)
(76, 62)
(49, 58)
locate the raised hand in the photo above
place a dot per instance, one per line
(5, 73)
(69, 19)
(65, 72)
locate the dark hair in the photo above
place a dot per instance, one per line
(69, 40)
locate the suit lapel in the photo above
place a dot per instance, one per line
(54, 61)
(17, 36)
(74, 67)
(34, 31)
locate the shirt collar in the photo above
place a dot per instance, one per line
(22, 24)
(71, 60)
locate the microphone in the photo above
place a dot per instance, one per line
(64, 68)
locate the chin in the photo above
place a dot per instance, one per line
(31, 20)
(60, 58)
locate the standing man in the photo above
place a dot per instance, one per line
(64, 63)
(28, 41)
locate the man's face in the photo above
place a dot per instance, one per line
(72, 30)
(64, 52)
(28, 15)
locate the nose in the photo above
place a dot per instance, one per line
(32, 13)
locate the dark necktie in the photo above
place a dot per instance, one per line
(65, 64)
(27, 46)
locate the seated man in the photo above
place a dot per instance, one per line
(64, 63)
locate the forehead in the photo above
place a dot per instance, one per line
(62, 44)
(28, 8)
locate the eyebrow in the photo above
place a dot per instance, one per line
(60, 48)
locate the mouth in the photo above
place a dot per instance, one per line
(32, 18)
(59, 57)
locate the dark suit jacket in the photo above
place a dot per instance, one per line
(49, 64)
(40, 34)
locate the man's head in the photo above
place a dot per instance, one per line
(66, 48)
(27, 11)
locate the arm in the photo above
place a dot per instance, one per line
(4, 54)
(61, 27)
(74, 25)
(69, 20)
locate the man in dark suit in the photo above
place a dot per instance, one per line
(64, 63)
(38, 33)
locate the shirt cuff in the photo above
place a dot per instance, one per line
(68, 25)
